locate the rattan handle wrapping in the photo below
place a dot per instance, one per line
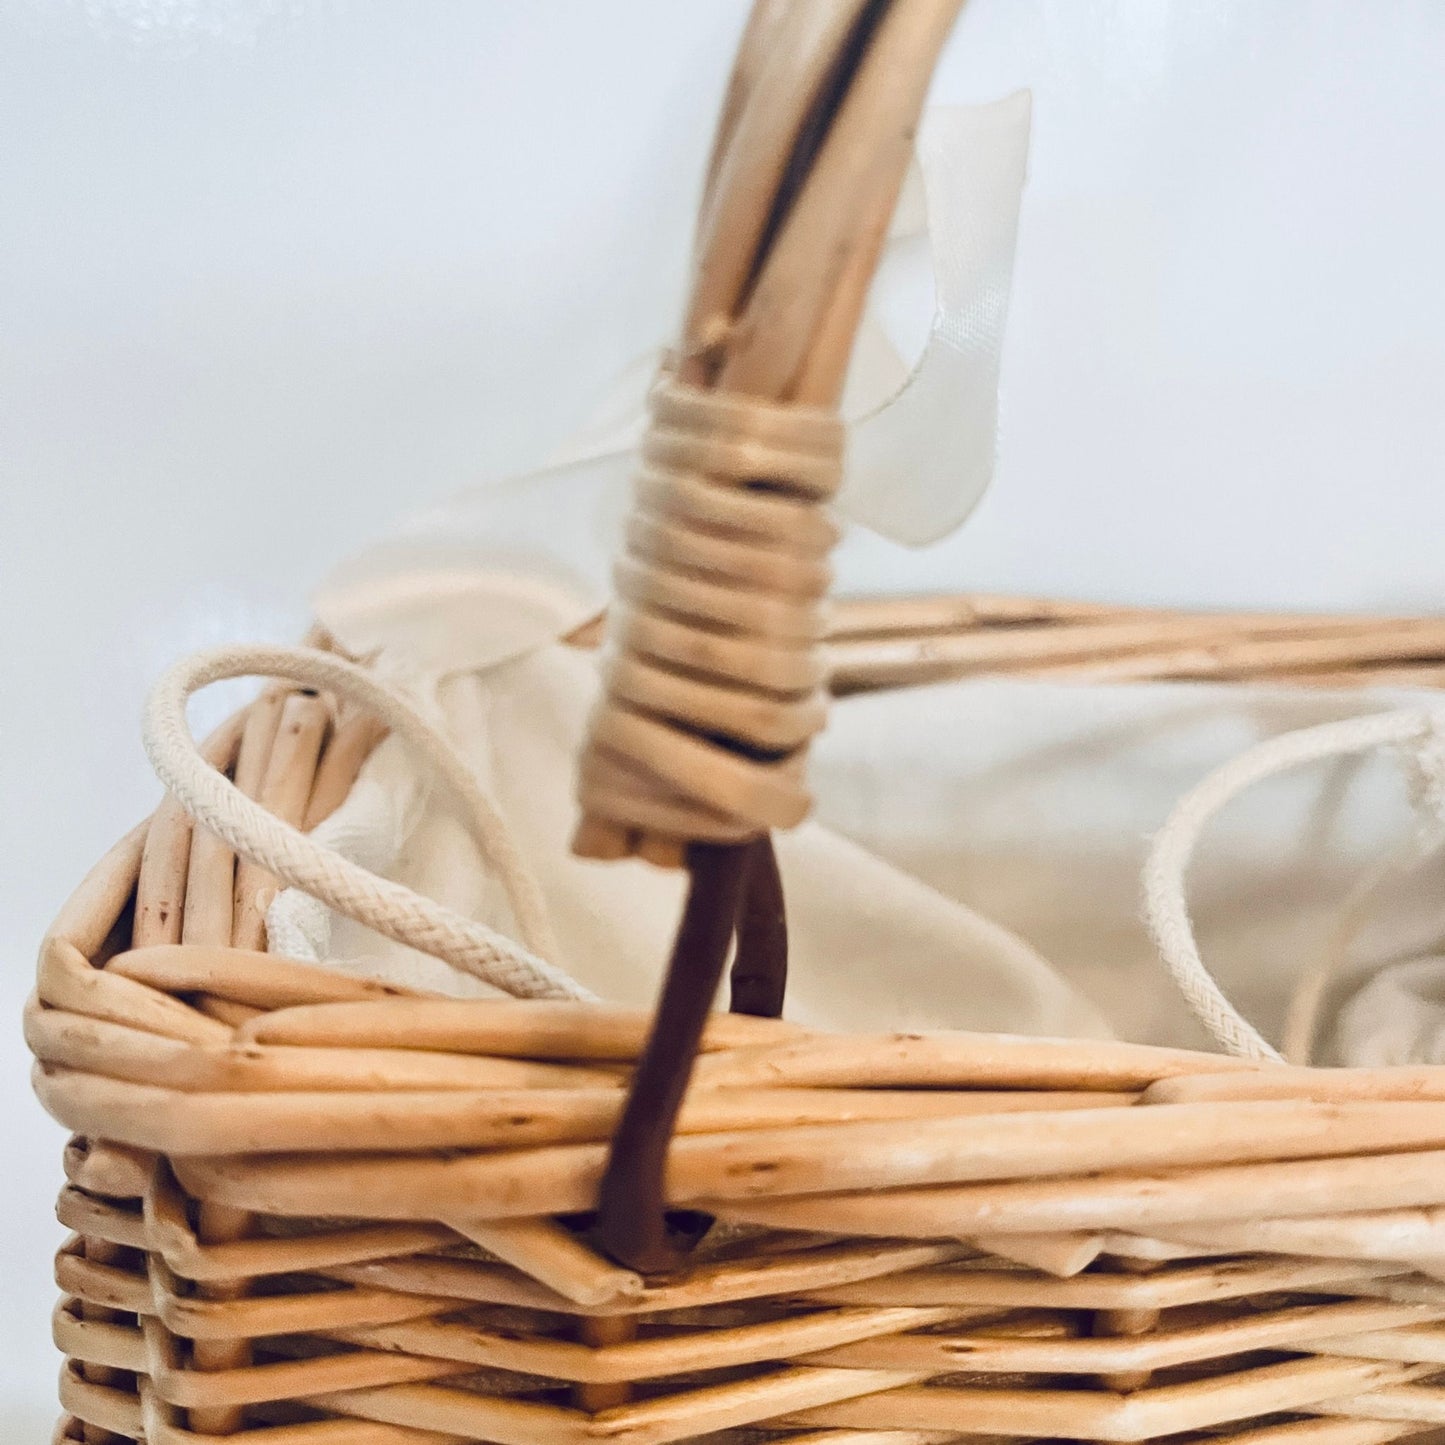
(715, 681)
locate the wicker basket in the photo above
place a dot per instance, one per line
(312, 1210)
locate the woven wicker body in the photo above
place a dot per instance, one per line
(311, 1210)
(307, 1210)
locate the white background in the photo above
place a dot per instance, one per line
(272, 272)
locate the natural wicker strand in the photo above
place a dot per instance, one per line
(161, 887)
(285, 789)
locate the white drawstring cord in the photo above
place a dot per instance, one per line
(525, 970)
(1421, 731)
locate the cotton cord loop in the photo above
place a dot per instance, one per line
(526, 970)
(1421, 733)
(715, 683)
(369, 828)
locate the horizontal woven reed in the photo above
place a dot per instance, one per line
(308, 1209)
(895, 642)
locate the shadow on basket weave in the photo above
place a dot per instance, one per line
(310, 1209)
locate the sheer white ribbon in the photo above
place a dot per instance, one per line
(511, 565)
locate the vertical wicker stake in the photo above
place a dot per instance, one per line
(697, 748)
(160, 898)
(281, 762)
(1140, 1320)
(281, 730)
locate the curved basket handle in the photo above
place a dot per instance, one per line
(717, 680)
(715, 686)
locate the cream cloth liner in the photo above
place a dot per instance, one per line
(519, 727)
(1036, 800)
(339, 864)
